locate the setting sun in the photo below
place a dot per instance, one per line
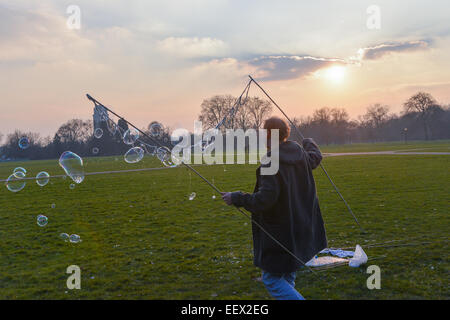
(335, 74)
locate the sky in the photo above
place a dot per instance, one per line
(158, 60)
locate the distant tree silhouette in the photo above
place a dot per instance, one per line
(422, 117)
(375, 117)
(422, 104)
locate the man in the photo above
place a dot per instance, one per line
(286, 206)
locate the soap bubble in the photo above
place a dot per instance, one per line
(165, 156)
(41, 220)
(134, 155)
(16, 182)
(192, 196)
(151, 150)
(98, 133)
(64, 236)
(24, 143)
(20, 169)
(95, 150)
(213, 197)
(53, 206)
(156, 129)
(42, 178)
(72, 165)
(130, 136)
(112, 126)
(72, 186)
(74, 238)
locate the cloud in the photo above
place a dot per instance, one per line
(274, 68)
(192, 47)
(378, 51)
(291, 67)
(37, 36)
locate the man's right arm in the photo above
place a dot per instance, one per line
(313, 153)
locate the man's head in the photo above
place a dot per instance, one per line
(277, 123)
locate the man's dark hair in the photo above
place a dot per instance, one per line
(280, 124)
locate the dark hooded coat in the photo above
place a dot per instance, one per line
(286, 205)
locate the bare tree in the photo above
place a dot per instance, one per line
(322, 115)
(75, 131)
(377, 115)
(258, 110)
(321, 118)
(373, 120)
(242, 118)
(214, 109)
(421, 103)
(339, 124)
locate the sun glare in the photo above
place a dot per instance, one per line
(335, 74)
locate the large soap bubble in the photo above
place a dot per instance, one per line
(165, 156)
(130, 136)
(156, 129)
(42, 178)
(134, 155)
(98, 133)
(16, 182)
(20, 169)
(72, 165)
(24, 143)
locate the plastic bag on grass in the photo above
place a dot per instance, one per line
(359, 257)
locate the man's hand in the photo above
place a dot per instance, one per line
(226, 196)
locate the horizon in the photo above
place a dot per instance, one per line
(158, 61)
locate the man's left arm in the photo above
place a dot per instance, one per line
(262, 200)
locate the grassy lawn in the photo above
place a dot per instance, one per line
(143, 238)
(420, 146)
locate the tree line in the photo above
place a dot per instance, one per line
(422, 118)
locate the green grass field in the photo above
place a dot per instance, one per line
(420, 146)
(143, 238)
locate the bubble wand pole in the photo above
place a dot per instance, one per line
(321, 166)
(205, 180)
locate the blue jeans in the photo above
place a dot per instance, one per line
(281, 286)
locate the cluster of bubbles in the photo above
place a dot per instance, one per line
(16, 181)
(72, 165)
(73, 238)
(131, 137)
